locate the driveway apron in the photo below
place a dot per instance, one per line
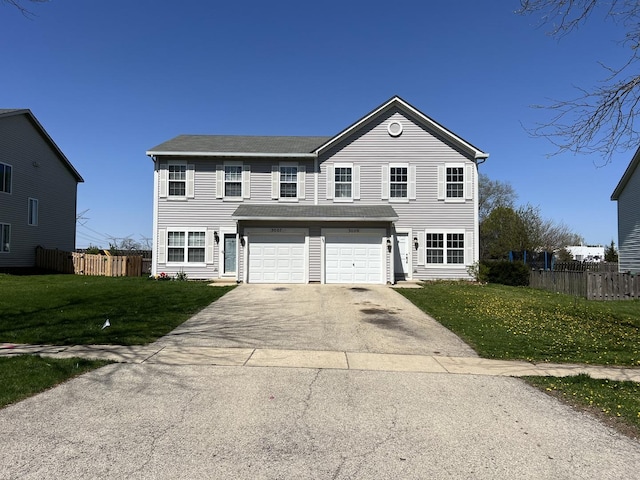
(360, 318)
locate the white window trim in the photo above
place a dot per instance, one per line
(164, 254)
(466, 248)
(355, 194)
(32, 208)
(10, 180)
(189, 187)
(467, 182)
(411, 182)
(245, 181)
(3, 241)
(300, 182)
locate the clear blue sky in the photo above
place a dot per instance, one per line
(109, 80)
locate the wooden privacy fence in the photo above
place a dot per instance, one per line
(589, 285)
(87, 264)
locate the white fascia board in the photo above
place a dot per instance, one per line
(152, 153)
(317, 219)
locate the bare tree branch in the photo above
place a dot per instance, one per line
(24, 10)
(601, 119)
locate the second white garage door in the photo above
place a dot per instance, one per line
(277, 259)
(353, 259)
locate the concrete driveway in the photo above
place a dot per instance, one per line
(157, 421)
(371, 318)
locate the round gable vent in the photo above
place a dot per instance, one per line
(394, 128)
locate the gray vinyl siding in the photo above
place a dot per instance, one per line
(204, 210)
(48, 180)
(629, 225)
(372, 146)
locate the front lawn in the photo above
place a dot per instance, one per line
(524, 324)
(26, 375)
(72, 309)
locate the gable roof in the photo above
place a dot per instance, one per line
(292, 146)
(626, 176)
(397, 102)
(238, 145)
(8, 112)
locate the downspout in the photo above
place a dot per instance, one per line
(156, 192)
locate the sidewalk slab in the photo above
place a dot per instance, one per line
(485, 366)
(177, 355)
(594, 371)
(298, 359)
(394, 363)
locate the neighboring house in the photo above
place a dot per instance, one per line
(627, 193)
(393, 196)
(586, 253)
(38, 188)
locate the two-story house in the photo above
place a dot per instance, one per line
(38, 187)
(393, 196)
(627, 194)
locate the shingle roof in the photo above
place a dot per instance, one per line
(221, 144)
(340, 212)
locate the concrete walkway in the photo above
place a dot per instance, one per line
(317, 359)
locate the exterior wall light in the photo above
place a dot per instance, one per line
(216, 237)
(415, 242)
(389, 245)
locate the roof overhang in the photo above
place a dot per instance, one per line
(34, 121)
(157, 153)
(626, 176)
(396, 101)
(316, 213)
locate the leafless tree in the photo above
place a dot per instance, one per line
(599, 119)
(493, 194)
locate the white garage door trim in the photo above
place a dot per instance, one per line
(354, 255)
(277, 255)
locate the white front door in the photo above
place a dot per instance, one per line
(402, 256)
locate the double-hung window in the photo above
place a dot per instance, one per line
(398, 182)
(186, 246)
(5, 237)
(5, 178)
(455, 182)
(343, 182)
(288, 181)
(33, 212)
(233, 181)
(445, 248)
(177, 180)
(343, 177)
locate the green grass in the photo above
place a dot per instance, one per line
(618, 403)
(26, 375)
(71, 309)
(522, 323)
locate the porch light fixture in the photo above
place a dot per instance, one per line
(216, 237)
(242, 241)
(389, 245)
(415, 242)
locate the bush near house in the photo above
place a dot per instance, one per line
(515, 274)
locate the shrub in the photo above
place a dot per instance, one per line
(515, 274)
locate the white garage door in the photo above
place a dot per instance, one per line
(353, 259)
(277, 259)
